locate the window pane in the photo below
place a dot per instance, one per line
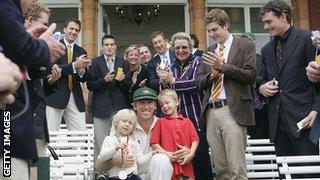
(261, 40)
(236, 16)
(60, 15)
(256, 23)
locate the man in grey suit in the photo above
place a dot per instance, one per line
(228, 70)
(290, 95)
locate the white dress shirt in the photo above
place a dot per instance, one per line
(226, 50)
(110, 62)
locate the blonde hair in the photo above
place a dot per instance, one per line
(131, 48)
(182, 36)
(168, 93)
(122, 114)
(35, 10)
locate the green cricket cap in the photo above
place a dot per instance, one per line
(145, 93)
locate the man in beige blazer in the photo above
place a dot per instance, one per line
(227, 71)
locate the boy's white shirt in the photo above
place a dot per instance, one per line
(108, 150)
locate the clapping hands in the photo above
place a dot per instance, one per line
(10, 81)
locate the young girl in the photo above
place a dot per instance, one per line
(172, 133)
(122, 141)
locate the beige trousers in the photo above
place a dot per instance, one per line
(75, 120)
(227, 140)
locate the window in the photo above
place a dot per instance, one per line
(244, 18)
(255, 20)
(236, 16)
(60, 15)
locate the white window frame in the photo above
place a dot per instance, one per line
(67, 4)
(246, 8)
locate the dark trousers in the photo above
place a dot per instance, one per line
(287, 145)
(201, 162)
(261, 128)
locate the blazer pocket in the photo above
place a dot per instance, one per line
(246, 98)
(305, 100)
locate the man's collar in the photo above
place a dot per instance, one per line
(194, 50)
(67, 44)
(188, 61)
(227, 43)
(110, 57)
(167, 54)
(285, 36)
(151, 127)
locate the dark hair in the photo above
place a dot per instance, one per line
(108, 36)
(218, 16)
(195, 40)
(72, 20)
(156, 33)
(277, 7)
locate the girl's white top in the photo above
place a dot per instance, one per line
(108, 150)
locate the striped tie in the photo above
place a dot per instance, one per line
(216, 86)
(69, 61)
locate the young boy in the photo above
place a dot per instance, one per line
(173, 132)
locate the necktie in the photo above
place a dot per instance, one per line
(216, 86)
(258, 104)
(110, 64)
(278, 52)
(69, 61)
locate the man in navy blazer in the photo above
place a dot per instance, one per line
(109, 81)
(25, 51)
(164, 56)
(291, 97)
(195, 48)
(67, 100)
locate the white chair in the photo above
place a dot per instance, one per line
(88, 127)
(56, 169)
(75, 150)
(299, 165)
(261, 159)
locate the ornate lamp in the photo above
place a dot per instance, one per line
(137, 14)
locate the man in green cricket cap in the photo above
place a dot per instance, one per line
(145, 105)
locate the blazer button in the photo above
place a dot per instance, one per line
(280, 90)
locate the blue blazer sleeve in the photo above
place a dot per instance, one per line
(96, 74)
(17, 44)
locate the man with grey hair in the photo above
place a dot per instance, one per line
(182, 79)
